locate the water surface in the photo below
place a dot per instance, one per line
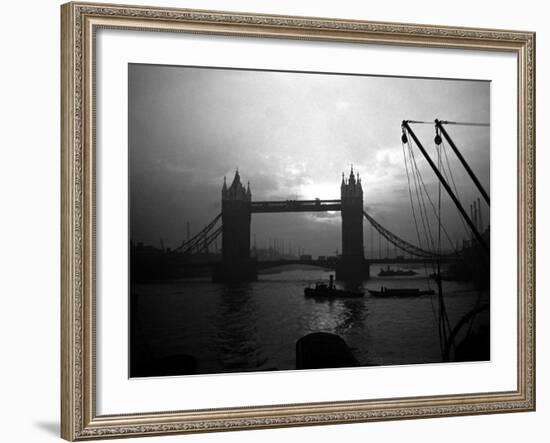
(254, 326)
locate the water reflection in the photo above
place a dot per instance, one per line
(236, 323)
(255, 326)
(352, 315)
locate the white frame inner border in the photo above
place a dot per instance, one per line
(117, 394)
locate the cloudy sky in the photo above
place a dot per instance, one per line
(291, 135)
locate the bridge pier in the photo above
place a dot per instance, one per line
(353, 270)
(353, 265)
(236, 265)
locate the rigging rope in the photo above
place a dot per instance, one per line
(435, 211)
(420, 198)
(445, 122)
(415, 221)
(410, 196)
(466, 230)
(444, 322)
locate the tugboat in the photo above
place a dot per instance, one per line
(322, 290)
(400, 292)
(388, 272)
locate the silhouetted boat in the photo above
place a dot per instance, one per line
(400, 292)
(322, 290)
(388, 272)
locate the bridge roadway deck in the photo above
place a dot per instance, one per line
(259, 207)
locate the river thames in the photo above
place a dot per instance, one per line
(254, 326)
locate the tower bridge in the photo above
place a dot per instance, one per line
(237, 264)
(238, 207)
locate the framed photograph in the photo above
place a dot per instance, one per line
(282, 221)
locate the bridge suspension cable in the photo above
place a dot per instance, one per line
(212, 231)
(202, 240)
(399, 242)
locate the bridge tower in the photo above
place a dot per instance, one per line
(353, 265)
(237, 265)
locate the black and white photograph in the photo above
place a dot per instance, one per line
(283, 220)
(279, 220)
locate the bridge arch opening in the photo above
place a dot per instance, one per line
(295, 236)
(238, 208)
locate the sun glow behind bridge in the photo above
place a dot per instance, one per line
(320, 190)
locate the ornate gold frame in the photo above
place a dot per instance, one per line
(79, 420)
